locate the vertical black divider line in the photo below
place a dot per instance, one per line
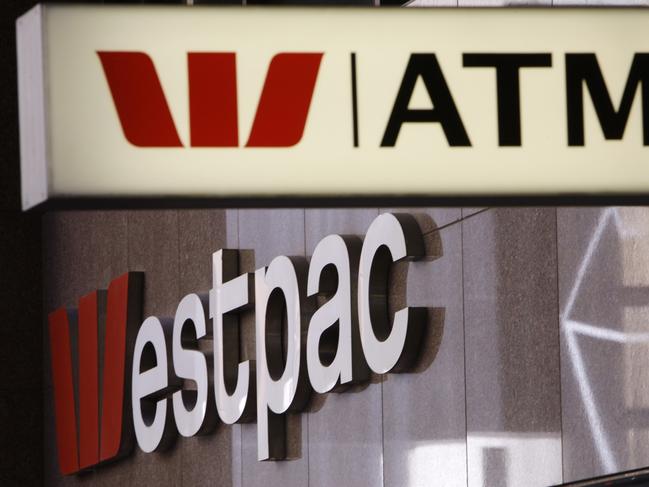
(354, 100)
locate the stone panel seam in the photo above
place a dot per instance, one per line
(238, 227)
(378, 211)
(382, 440)
(240, 345)
(559, 332)
(306, 416)
(466, 412)
(179, 280)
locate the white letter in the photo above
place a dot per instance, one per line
(150, 383)
(226, 297)
(343, 358)
(388, 348)
(280, 386)
(191, 364)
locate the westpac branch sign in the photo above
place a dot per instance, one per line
(145, 363)
(146, 102)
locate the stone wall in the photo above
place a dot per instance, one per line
(533, 369)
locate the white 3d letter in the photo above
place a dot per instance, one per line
(343, 358)
(280, 387)
(388, 348)
(150, 381)
(229, 294)
(191, 364)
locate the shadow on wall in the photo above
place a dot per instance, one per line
(397, 286)
(512, 348)
(605, 337)
(530, 422)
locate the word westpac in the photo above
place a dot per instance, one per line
(291, 81)
(319, 326)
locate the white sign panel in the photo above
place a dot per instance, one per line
(219, 103)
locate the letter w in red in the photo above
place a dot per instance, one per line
(213, 118)
(88, 438)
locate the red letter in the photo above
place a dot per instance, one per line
(66, 424)
(88, 382)
(285, 100)
(139, 100)
(123, 317)
(213, 99)
(122, 320)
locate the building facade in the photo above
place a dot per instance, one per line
(531, 371)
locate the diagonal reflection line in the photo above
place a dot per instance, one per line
(571, 330)
(588, 398)
(607, 334)
(585, 263)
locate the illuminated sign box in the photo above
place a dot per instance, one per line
(219, 103)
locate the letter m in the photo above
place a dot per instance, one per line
(583, 68)
(84, 437)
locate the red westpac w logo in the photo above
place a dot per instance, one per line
(213, 117)
(91, 437)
